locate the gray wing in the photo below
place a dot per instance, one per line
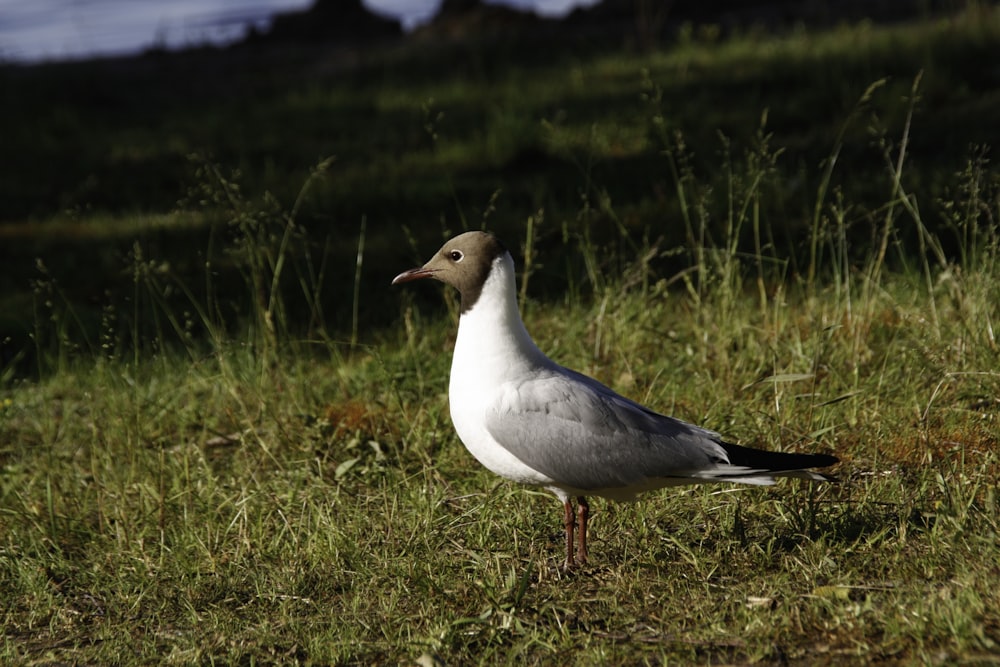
(582, 434)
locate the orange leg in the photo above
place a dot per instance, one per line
(582, 512)
(568, 522)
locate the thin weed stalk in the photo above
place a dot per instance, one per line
(356, 296)
(826, 180)
(532, 225)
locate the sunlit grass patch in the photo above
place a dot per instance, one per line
(322, 512)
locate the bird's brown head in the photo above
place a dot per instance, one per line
(464, 262)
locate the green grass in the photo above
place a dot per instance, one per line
(221, 460)
(433, 137)
(320, 509)
(269, 499)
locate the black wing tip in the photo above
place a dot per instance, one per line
(824, 460)
(776, 461)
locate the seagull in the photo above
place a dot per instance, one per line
(530, 420)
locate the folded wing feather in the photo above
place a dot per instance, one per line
(582, 434)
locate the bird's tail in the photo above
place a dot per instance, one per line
(779, 464)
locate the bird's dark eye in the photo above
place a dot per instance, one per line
(456, 255)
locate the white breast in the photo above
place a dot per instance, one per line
(492, 349)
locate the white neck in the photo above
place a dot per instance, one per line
(492, 341)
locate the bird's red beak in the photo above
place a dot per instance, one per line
(414, 274)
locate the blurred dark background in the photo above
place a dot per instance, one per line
(171, 168)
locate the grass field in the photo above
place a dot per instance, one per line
(225, 439)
